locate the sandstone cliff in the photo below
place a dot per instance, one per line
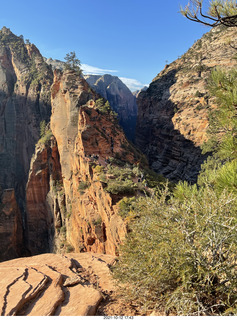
(120, 98)
(173, 112)
(25, 81)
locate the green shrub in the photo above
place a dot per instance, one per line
(69, 248)
(63, 230)
(97, 222)
(180, 255)
(121, 186)
(103, 178)
(46, 137)
(126, 206)
(83, 185)
(99, 169)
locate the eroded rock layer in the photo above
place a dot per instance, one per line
(50, 284)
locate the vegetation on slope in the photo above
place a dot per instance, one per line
(180, 255)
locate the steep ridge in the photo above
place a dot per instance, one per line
(120, 98)
(173, 112)
(25, 81)
(87, 138)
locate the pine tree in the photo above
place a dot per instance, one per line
(72, 63)
(220, 12)
(222, 130)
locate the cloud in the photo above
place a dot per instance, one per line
(133, 84)
(87, 69)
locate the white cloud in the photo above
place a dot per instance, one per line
(133, 84)
(94, 70)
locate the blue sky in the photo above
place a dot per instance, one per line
(132, 39)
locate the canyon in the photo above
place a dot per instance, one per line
(66, 165)
(52, 197)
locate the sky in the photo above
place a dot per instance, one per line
(131, 39)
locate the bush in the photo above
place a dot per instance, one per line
(121, 186)
(126, 206)
(181, 253)
(83, 185)
(46, 137)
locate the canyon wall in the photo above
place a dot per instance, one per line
(173, 112)
(25, 81)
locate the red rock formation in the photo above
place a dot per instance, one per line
(86, 138)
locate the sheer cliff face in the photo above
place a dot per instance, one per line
(172, 113)
(25, 82)
(120, 98)
(86, 138)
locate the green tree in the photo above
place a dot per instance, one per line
(222, 132)
(220, 12)
(72, 63)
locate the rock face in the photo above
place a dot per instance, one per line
(50, 284)
(120, 98)
(172, 113)
(25, 82)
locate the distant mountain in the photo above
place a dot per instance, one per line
(120, 98)
(136, 93)
(55, 64)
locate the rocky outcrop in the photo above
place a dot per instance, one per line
(86, 138)
(49, 284)
(120, 98)
(25, 81)
(173, 112)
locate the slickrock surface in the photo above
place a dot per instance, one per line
(50, 284)
(173, 112)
